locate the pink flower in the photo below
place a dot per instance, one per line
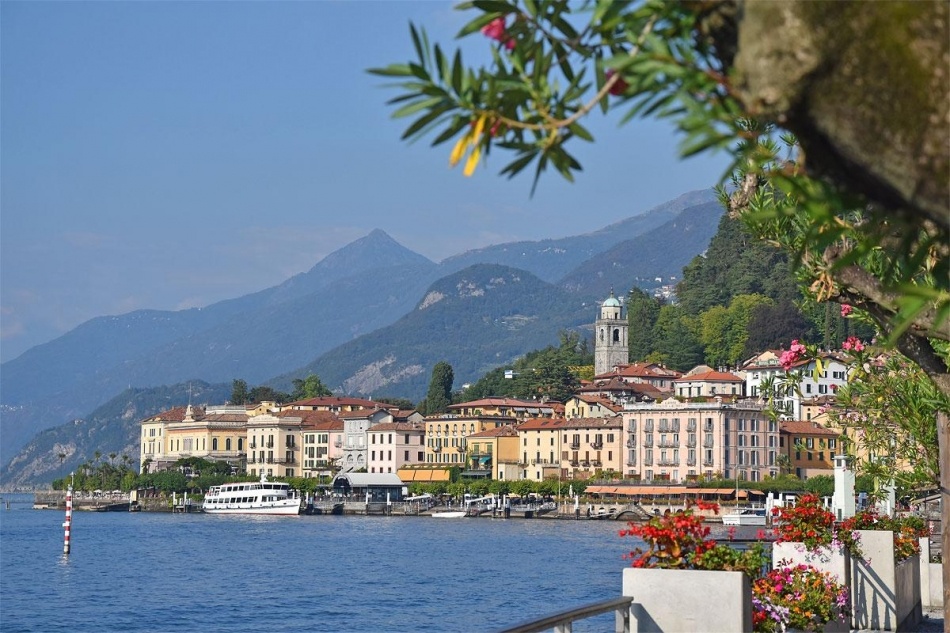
(846, 309)
(853, 342)
(496, 30)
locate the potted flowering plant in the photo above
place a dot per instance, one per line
(886, 584)
(799, 597)
(810, 524)
(907, 531)
(676, 558)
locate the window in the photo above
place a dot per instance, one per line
(214, 443)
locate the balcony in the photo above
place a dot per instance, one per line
(596, 463)
(252, 445)
(631, 462)
(631, 443)
(648, 443)
(338, 443)
(575, 463)
(436, 449)
(575, 445)
(691, 443)
(691, 462)
(669, 444)
(691, 427)
(668, 462)
(269, 445)
(707, 462)
(707, 443)
(597, 446)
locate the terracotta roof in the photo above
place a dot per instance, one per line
(501, 402)
(797, 427)
(500, 431)
(316, 420)
(359, 414)
(641, 370)
(612, 422)
(541, 424)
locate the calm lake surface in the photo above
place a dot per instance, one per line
(162, 572)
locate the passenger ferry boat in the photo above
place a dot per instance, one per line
(248, 497)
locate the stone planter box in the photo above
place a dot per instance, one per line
(885, 596)
(688, 600)
(931, 578)
(836, 561)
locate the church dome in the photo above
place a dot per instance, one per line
(611, 302)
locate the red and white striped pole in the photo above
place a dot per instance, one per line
(69, 518)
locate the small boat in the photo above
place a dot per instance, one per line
(451, 514)
(749, 516)
(263, 497)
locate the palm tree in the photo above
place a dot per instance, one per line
(112, 457)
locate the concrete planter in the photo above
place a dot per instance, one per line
(834, 560)
(885, 596)
(931, 578)
(688, 600)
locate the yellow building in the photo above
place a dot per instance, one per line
(589, 445)
(809, 448)
(541, 449)
(274, 445)
(492, 448)
(214, 433)
(446, 436)
(590, 406)
(505, 407)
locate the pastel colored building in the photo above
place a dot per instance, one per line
(491, 451)
(393, 445)
(215, 433)
(274, 445)
(809, 447)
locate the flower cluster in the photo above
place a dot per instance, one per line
(846, 309)
(809, 523)
(673, 540)
(679, 541)
(497, 31)
(907, 530)
(795, 352)
(853, 343)
(799, 597)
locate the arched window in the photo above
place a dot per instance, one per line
(227, 444)
(617, 335)
(240, 443)
(214, 443)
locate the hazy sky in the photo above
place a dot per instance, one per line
(169, 155)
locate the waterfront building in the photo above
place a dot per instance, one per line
(763, 373)
(651, 374)
(334, 404)
(355, 441)
(393, 445)
(589, 446)
(678, 441)
(274, 445)
(610, 336)
(709, 384)
(809, 448)
(492, 452)
(619, 391)
(215, 433)
(587, 405)
(542, 449)
(322, 441)
(446, 435)
(504, 407)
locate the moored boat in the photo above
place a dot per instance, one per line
(749, 516)
(248, 497)
(452, 514)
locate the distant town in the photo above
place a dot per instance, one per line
(637, 422)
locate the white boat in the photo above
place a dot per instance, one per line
(453, 514)
(252, 497)
(750, 516)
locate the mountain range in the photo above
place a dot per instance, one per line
(371, 318)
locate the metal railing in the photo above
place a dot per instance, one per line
(563, 622)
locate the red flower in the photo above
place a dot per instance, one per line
(846, 309)
(497, 31)
(620, 86)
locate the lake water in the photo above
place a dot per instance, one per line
(162, 572)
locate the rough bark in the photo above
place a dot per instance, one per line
(866, 88)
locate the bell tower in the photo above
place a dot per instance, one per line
(610, 336)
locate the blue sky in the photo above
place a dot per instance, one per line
(167, 155)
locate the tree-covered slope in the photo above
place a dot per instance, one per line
(476, 319)
(111, 428)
